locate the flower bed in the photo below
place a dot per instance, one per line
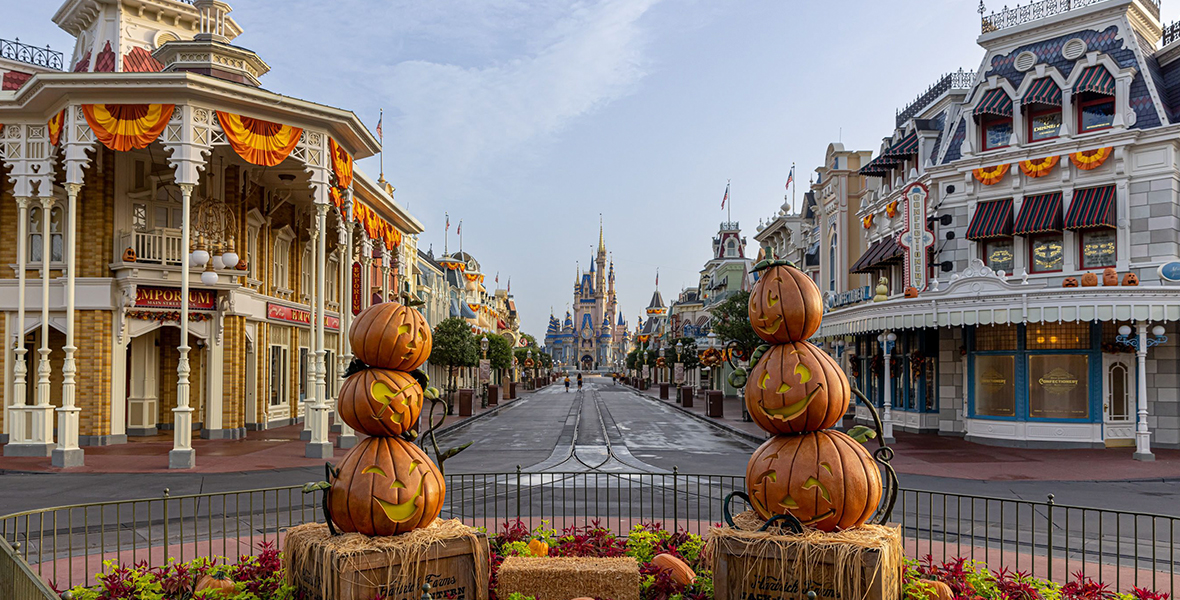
(261, 577)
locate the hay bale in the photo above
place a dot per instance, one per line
(862, 563)
(450, 556)
(565, 578)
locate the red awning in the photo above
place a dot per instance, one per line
(1091, 208)
(1042, 91)
(882, 251)
(991, 220)
(1095, 79)
(994, 102)
(1039, 214)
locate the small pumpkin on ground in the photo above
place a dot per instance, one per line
(940, 590)
(678, 570)
(217, 581)
(538, 548)
(391, 336)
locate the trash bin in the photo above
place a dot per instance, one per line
(465, 397)
(664, 391)
(493, 394)
(511, 391)
(684, 396)
(716, 404)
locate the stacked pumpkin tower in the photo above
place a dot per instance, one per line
(797, 392)
(386, 485)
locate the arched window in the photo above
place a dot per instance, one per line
(56, 227)
(731, 248)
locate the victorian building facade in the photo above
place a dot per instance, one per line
(186, 245)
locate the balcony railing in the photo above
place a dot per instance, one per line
(958, 80)
(157, 246)
(1019, 15)
(41, 57)
(1171, 33)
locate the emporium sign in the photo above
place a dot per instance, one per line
(280, 312)
(356, 288)
(916, 238)
(160, 297)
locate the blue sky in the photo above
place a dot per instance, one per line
(527, 119)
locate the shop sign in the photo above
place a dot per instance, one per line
(1170, 271)
(160, 297)
(356, 288)
(916, 238)
(678, 372)
(280, 312)
(1058, 381)
(485, 370)
(852, 296)
(646, 372)
(993, 381)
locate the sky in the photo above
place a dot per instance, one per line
(527, 120)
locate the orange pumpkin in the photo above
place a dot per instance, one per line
(677, 569)
(386, 486)
(1089, 279)
(1110, 276)
(538, 548)
(1130, 279)
(825, 479)
(911, 292)
(938, 590)
(219, 582)
(380, 402)
(129, 255)
(390, 336)
(785, 305)
(1069, 282)
(795, 388)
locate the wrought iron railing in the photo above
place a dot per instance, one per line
(1171, 33)
(67, 545)
(1019, 15)
(958, 80)
(41, 57)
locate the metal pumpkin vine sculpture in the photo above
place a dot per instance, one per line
(807, 475)
(386, 485)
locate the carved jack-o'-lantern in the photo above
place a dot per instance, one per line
(911, 291)
(1110, 276)
(1089, 280)
(825, 479)
(1069, 282)
(1130, 279)
(380, 402)
(129, 255)
(785, 305)
(386, 486)
(390, 336)
(795, 388)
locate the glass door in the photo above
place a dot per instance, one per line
(1118, 400)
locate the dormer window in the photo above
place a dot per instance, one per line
(1042, 105)
(994, 113)
(997, 132)
(1094, 97)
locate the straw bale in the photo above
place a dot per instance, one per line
(447, 554)
(862, 563)
(565, 578)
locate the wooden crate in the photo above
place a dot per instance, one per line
(749, 570)
(449, 569)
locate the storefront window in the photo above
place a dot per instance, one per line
(1057, 386)
(1046, 253)
(1096, 114)
(1057, 336)
(1044, 125)
(995, 386)
(1098, 248)
(997, 254)
(996, 337)
(997, 133)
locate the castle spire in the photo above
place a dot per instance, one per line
(601, 240)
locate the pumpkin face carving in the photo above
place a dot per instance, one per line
(1110, 276)
(796, 387)
(1089, 280)
(380, 402)
(785, 305)
(1130, 279)
(386, 486)
(390, 336)
(825, 479)
(1069, 282)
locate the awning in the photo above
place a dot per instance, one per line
(991, 220)
(879, 166)
(1091, 208)
(907, 146)
(994, 102)
(880, 252)
(1043, 91)
(1095, 79)
(1039, 214)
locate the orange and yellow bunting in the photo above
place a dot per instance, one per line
(1039, 167)
(991, 175)
(334, 197)
(259, 142)
(867, 221)
(341, 164)
(891, 209)
(55, 124)
(123, 127)
(1090, 159)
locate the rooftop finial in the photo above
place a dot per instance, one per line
(601, 241)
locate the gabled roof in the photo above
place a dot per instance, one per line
(657, 301)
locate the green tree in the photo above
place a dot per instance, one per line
(529, 341)
(731, 323)
(454, 347)
(632, 359)
(500, 353)
(690, 353)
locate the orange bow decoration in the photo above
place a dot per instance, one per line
(891, 209)
(1088, 160)
(1039, 167)
(867, 221)
(990, 175)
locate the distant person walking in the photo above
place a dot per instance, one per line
(567, 383)
(579, 381)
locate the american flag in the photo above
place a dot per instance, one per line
(380, 135)
(726, 196)
(459, 229)
(791, 177)
(448, 221)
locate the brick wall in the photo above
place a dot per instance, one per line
(1155, 223)
(92, 331)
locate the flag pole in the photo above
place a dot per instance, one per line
(728, 207)
(447, 235)
(794, 185)
(381, 152)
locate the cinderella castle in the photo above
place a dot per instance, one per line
(590, 338)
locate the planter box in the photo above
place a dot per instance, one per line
(449, 568)
(565, 578)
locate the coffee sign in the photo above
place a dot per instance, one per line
(280, 312)
(160, 297)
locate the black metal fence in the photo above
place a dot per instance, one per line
(67, 545)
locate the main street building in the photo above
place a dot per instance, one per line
(153, 145)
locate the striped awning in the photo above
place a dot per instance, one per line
(1091, 208)
(1042, 91)
(882, 251)
(991, 220)
(1039, 214)
(1095, 79)
(907, 146)
(879, 166)
(994, 102)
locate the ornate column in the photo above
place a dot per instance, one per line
(366, 273)
(887, 411)
(182, 455)
(309, 401)
(347, 437)
(68, 454)
(42, 432)
(386, 267)
(17, 436)
(1142, 435)
(316, 412)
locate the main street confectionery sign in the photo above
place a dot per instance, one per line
(161, 297)
(298, 316)
(916, 238)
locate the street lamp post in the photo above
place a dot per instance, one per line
(528, 369)
(483, 349)
(887, 340)
(1141, 343)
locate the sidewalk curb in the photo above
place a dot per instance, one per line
(711, 421)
